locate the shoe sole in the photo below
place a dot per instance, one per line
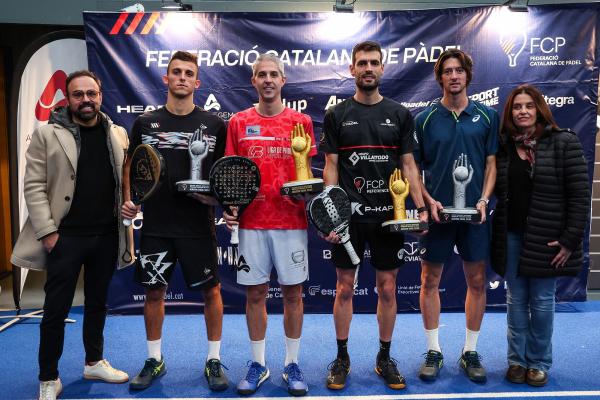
(96, 378)
(338, 386)
(428, 378)
(537, 384)
(220, 388)
(395, 386)
(246, 392)
(294, 392)
(134, 386)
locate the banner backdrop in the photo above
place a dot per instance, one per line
(552, 47)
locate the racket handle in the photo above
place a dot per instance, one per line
(353, 257)
(235, 238)
(355, 285)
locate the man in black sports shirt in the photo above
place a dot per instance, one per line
(178, 227)
(365, 138)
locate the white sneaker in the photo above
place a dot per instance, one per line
(103, 371)
(49, 390)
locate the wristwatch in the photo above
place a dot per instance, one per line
(486, 201)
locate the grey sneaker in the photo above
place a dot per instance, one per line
(434, 361)
(152, 370)
(215, 376)
(470, 362)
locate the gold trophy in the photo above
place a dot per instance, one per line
(305, 182)
(399, 189)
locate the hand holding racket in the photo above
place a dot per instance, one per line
(235, 181)
(146, 170)
(330, 211)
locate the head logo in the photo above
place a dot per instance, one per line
(48, 99)
(359, 183)
(212, 103)
(513, 44)
(354, 158)
(313, 290)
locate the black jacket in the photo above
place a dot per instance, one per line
(559, 207)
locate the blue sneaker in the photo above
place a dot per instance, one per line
(256, 375)
(295, 380)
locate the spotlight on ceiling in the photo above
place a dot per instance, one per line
(178, 6)
(517, 5)
(344, 6)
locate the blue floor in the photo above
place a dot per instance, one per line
(575, 373)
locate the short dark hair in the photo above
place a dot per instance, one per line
(544, 115)
(184, 56)
(79, 74)
(463, 58)
(367, 45)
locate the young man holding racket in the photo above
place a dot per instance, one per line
(273, 227)
(72, 189)
(178, 227)
(365, 138)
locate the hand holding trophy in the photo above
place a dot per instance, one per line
(399, 189)
(304, 182)
(198, 150)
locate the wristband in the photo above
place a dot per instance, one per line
(421, 209)
(486, 201)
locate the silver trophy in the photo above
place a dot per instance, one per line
(462, 173)
(198, 150)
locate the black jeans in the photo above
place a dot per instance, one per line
(98, 255)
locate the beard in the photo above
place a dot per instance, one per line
(86, 115)
(367, 87)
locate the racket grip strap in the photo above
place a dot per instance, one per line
(235, 238)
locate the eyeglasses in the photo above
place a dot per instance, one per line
(91, 94)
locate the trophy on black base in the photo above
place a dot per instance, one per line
(399, 189)
(304, 183)
(462, 173)
(198, 150)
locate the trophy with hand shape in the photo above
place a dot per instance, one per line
(399, 189)
(304, 183)
(462, 173)
(198, 150)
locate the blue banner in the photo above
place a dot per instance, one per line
(553, 47)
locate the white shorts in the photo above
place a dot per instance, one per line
(260, 250)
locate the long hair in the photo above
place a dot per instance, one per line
(544, 115)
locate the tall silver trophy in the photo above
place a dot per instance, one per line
(462, 173)
(198, 150)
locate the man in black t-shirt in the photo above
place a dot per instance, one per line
(365, 139)
(178, 227)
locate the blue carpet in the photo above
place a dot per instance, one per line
(574, 375)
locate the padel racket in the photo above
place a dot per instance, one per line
(330, 211)
(235, 181)
(145, 174)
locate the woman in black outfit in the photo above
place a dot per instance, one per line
(543, 208)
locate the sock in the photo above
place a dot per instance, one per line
(292, 347)
(433, 342)
(384, 350)
(342, 346)
(214, 348)
(154, 349)
(258, 351)
(471, 340)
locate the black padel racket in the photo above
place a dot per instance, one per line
(145, 174)
(235, 181)
(330, 211)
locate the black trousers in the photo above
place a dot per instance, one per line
(98, 255)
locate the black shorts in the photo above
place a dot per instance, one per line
(159, 255)
(386, 249)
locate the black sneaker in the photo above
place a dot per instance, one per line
(338, 371)
(388, 370)
(215, 376)
(152, 370)
(434, 361)
(470, 362)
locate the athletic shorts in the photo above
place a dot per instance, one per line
(158, 257)
(386, 249)
(472, 242)
(261, 249)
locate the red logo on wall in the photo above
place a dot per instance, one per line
(44, 105)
